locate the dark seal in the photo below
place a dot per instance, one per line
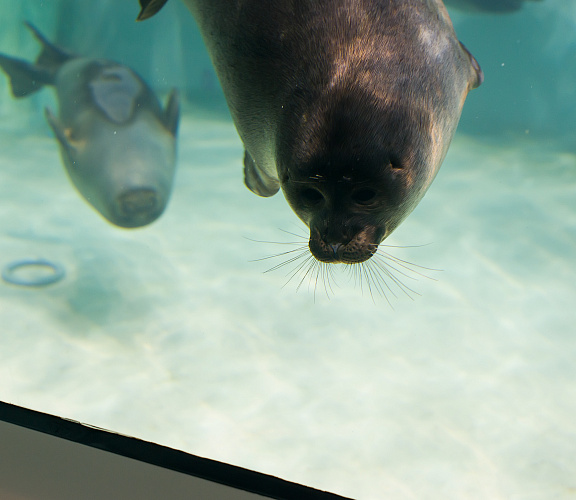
(348, 106)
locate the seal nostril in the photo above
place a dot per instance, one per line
(335, 247)
(364, 196)
(311, 197)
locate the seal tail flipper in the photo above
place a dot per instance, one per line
(51, 57)
(149, 8)
(255, 180)
(172, 112)
(60, 132)
(25, 78)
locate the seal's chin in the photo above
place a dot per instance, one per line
(359, 248)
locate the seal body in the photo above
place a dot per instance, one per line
(349, 107)
(117, 143)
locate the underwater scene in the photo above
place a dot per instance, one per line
(399, 322)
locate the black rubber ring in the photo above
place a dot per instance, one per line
(8, 273)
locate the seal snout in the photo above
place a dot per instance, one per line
(358, 249)
(137, 207)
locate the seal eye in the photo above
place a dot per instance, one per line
(364, 196)
(396, 165)
(311, 197)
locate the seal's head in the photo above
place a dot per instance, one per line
(356, 169)
(126, 173)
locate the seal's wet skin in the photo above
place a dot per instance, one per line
(349, 107)
(117, 143)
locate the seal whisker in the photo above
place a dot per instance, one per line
(304, 236)
(382, 245)
(305, 265)
(362, 277)
(380, 277)
(372, 283)
(289, 261)
(406, 290)
(327, 274)
(318, 272)
(381, 280)
(312, 265)
(278, 255)
(274, 242)
(387, 266)
(365, 272)
(386, 269)
(331, 275)
(356, 271)
(380, 274)
(296, 270)
(408, 266)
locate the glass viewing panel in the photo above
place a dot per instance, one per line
(448, 372)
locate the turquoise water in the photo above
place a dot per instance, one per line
(175, 334)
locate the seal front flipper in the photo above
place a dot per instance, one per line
(172, 112)
(149, 8)
(25, 78)
(256, 180)
(115, 91)
(69, 150)
(478, 73)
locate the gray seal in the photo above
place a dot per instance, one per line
(348, 106)
(117, 143)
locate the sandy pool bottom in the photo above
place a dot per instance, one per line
(174, 334)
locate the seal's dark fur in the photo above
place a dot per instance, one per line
(349, 106)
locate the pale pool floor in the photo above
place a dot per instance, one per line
(171, 334)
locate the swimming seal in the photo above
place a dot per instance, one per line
(117, 143)
(349, 107)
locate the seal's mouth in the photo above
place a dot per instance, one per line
(359, 248)
(137, 207)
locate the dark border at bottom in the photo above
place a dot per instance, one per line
(162, 456)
